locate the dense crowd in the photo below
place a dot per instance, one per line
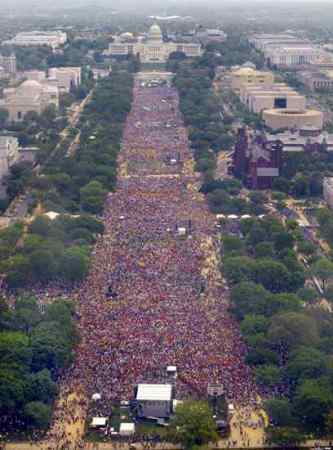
(143, 306)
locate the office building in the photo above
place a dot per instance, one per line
(317, 80)
(267, 96)
(250, 76)
(64, 78)
(293, 118)
(8, 63)
(53, 39)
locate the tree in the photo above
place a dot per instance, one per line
(312, 402)
(290, 330)
(27, 314)
(14, 349)
(284, 436)
(264, 250)
(74, 264)
(283, 240)
(284, 302)
(268, 375)
(38, 414)
(13, 389)
(306, 362)
(43, 388)
(279, 411)
(323, 269)
(281, 184)
(193, 424)
(308, 295)
(41, 226)
(92, 197)
(273, 275)
(51, 347)
(43, 265)
(239, 268)
(232, 245)
(253, 324)
(249, 298)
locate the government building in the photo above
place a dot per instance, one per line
(53, 39)
(152, 49)
(29, 96)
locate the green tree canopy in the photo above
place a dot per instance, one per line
(193, 424)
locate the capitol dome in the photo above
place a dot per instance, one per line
(249, 65)
(155, 33)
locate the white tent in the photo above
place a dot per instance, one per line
(127, 429)
(99, 422)
(181, 231)
(51, 215)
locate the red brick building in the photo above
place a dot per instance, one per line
(255, 160)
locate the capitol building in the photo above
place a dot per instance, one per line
(153, 49)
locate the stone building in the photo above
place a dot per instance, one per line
(153, 49)
(292, 118)
(53, 39)
(288, 56)
(305, 139)
(277, 95)
(8, 63)
(29, 96)
(285, 50)
(64, 78)
(9, 153)
(250, 77)
(317, 80)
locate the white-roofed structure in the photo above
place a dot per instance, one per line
(52, 39)
(154, 400)
(99, 422)
(127, 429)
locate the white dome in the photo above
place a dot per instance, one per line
(155, 33)
(30, 85)
(249, 65)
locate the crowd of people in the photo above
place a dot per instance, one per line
(143, 305)
(146, 303)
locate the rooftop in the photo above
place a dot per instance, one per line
(157, 392)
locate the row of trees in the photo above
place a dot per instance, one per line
(48, 249)
(34, 348)
(289, 342)
(265, 256)
(80, 183)
(302, 173)
(77, 184)
(222, 197)
(207, 131)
